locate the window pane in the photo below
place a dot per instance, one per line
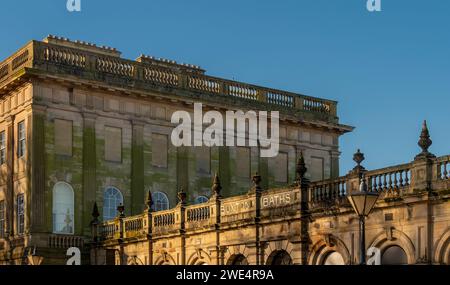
(2, 219)
(201, 199)
(160, 201)
(20, 214)
(21, 139)
(112, 198)
(63, 208)
(2, 147)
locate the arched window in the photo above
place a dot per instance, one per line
(201, 199)
(112, 198)
(334, 258)
(279, 257)
(160, 201)
(394, 255)
(63, 208)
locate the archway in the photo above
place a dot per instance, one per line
(394, 255)
(334, 258)
(237, 259)
(279, 257)
(401, 243)
(326, 246)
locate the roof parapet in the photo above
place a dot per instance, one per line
(62, 41)
(172, 64)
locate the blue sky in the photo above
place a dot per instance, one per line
(388, 70)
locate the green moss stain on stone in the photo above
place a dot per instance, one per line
(137, 170)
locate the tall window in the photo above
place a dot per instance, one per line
(160, 201)
(63, 208)
(2, 148)
(21, 139)
(2, 219)
(20, 214)
(201, 199)
(112, 198)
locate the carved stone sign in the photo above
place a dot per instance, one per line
(276, 200)
(235, 207)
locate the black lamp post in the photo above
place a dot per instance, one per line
(363, 202)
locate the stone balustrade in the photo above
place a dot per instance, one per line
(65, 241)
(391, 182)
(110, 230)
(198, 216)
(147, 73)
(134, 226)
(166, 222)
(443, 168)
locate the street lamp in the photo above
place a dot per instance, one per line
(363, 202)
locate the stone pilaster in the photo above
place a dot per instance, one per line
(89, 168)
(137, 167)
(36, 169)
(224, 170)
(10, 155)
(183, 168)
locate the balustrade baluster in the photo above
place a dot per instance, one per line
(389, 181)
(395, 180)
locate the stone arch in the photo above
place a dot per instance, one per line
(279, 257)
(442, 249)
(134, 260)
(327, 245)
(165, 259)
(334, 258)
(392, 237)
(280, 245)
(237, 259)
(233, 251)
(394, 255)
(199, 257)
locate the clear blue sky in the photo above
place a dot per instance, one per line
(388, 70)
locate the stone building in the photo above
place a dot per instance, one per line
(306, 223)
(79, 125)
